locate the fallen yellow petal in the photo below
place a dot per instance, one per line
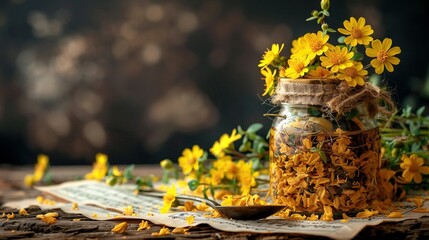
(23, 212)
(128, 211)
(190, 219)
(143, 225)
(395, 215)
(51, 214)
(10, 216)
(162, 231)
(49, 219)
(179, 230)
(76, 219)
(297, 216)
(421, 210)
(120, 227)
(40, 199)
(75, 206)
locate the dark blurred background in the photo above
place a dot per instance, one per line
(142, 80)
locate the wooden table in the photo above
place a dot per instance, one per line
(12, 188)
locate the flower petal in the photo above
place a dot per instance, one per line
(417, 178)
(393, 60)
(361, 22)
(389, 66)
(370, 52)
(424, 170)
(376, 45)
(387, 43)
(394, 51)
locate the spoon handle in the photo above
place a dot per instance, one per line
(183, 197)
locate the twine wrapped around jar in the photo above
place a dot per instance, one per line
(335, 95)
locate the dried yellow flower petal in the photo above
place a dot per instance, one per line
(313, 217)
(179, 230)
(51, 214)
(10, 216)
(345, 217)
(202, 207)
(297, 216)
(190, 219)
(162, 231)
(395, 215)
(421, 210)
(366, 213)
(120, 227)
(76, 219)
(3, 215)
(143, 225)
(23, 212)
(75, 206)
(40, 199)
(49, 219)
(94, 215)
(128, 211)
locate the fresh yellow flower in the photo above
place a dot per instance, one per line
(319, 73)
(297, 66)
(40, 169)
(143, 225)
(413, 168)
(269, 80)
(168, 199)
(270, 55)
(225, 141)
(384, 55)
(189, 159)
(358, 32)
(246, 176)
(337, 58)
(354, 75)
(99, 168)
(315, 44)
(120, 227)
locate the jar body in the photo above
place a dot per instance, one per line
(319, 159)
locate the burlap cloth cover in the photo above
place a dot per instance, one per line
(333, 95)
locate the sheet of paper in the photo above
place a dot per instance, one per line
(98, 201)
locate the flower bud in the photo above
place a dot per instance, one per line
(314, 13)
(325, 26)
(166, 164)
(324, 4)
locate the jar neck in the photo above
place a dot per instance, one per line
(300, 110)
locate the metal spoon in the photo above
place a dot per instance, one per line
(234, 212)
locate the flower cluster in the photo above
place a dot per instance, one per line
(312, 56)
(229, 170)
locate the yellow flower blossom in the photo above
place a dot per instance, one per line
(269, 80)
(246, 176)
(357, 31)
(224, 142)
(315, 44)
(383, 54)
(162, 231)
(297, 66)
(337, 58)
(319, 73)
(168, 199)
(189, 159)
(99, 168)
(270, 55)
(413, 168)
(354, 75)
(40, 169)
(143, 225)
(120, 227)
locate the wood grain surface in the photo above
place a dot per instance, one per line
(29, 227)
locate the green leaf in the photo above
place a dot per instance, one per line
(353, 113)
(212, 191)
(193, 184)
(330, 30)
(358, 56)
(420, 111)
(341, 39)
(326, 13)
(254, 128)
(128, 172)
(323, 156)
(311, 18)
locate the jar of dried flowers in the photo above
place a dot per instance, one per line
(324, 142)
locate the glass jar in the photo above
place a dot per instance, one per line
(319, 157)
